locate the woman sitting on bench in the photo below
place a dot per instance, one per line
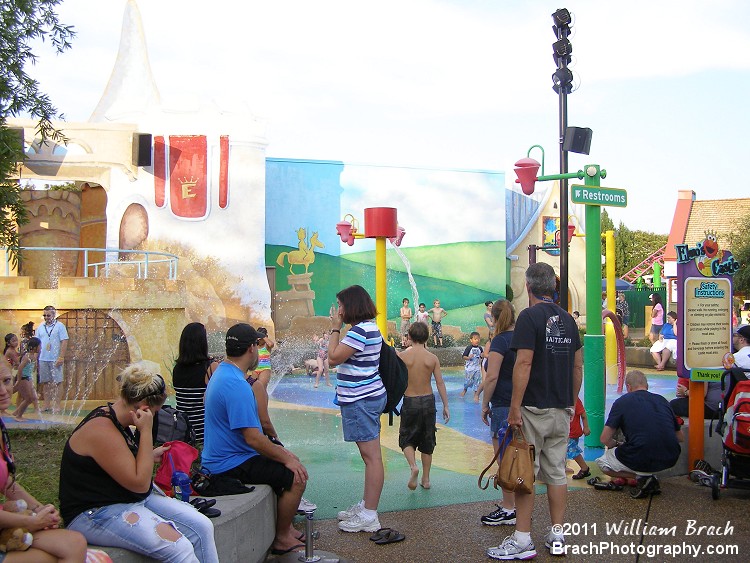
(106, 490)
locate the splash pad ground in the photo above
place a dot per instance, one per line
(310, 425)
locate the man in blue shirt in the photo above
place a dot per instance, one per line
(235, 445)
(652, 437)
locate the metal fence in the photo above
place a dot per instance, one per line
(139, 264)
(638, 300)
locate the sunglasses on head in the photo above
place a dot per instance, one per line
(160, 392)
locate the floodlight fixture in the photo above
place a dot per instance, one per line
(562, 20)
(562, 80)
(561, 51)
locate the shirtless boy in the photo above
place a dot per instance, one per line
(405, 321)
(417, 429)
(438, 314)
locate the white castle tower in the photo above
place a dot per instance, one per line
(202, 190)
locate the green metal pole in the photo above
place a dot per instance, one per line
(594, 388)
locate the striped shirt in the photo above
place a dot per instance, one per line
(189, 382)
(358, 376)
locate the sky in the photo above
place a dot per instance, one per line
(456, 84)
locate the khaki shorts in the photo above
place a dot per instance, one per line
(548, 430)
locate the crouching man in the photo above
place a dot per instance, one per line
(652, 437)
(235, 445)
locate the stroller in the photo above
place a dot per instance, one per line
(734, 428)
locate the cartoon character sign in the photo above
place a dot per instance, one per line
(710, 260)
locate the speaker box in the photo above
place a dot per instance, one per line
(577, 139)
(141, 149)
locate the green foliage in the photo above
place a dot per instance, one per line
(24, 23)
(632, 247)
(739, 243)
(38, 454)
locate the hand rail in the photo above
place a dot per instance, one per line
(106, 267)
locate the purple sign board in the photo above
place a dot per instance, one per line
(704, 286)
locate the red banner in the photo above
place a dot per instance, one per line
(188, 187)
(160, 171)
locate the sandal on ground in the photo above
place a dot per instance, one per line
(582, 474)
(275, 551)
(389, 536)
(380, 534)
(610, 486)
(593, 481)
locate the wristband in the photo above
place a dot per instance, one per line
(335, 330)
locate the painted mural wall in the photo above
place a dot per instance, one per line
(454, 248)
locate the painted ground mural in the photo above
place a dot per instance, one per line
(454, 247)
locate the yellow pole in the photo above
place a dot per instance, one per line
(611, 343)
(381, 299)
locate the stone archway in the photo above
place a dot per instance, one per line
(97, 352)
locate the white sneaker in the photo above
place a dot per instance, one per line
(510, 549)
(555, 543)
(358, 523)
(350, 512)
(306, 506)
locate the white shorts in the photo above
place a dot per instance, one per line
(668, 343)
(609, 462)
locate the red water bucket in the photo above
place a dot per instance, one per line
(381, 222)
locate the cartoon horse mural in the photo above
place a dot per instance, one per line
(305, 255)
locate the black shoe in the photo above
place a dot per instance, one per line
(646, 486)
(499, 517)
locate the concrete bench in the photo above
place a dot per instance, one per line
(244, 531)
(711, 451)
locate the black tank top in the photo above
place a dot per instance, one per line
(84, 484)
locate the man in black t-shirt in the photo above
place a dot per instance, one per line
(546, 380)
(652, 436)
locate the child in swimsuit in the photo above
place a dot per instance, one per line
(263, 371)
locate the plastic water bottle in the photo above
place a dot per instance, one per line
(181, 485)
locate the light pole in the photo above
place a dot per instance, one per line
(593, 196)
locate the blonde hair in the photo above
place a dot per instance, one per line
(138, 382)
(504, 315)
(636, 378)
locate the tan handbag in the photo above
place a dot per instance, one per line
(516, 470)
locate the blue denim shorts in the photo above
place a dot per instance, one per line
(498, 415)
(361, 419)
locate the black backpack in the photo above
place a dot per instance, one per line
(395, 378)
(171, 424)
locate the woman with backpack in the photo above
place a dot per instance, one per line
(106, 487)
(361, 396)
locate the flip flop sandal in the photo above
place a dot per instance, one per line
(211, 512)
(610, 486)
(582, 474)
(391, 536)
(593, 481)
(285, 551)
(202, 503)
(380, 534)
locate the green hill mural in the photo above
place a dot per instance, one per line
(477, 264)
(332, 273)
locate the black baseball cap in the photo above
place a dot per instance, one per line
(743, 331)
(240, 337)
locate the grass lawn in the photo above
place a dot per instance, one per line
(38, 454)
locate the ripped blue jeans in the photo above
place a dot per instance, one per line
(147, 527)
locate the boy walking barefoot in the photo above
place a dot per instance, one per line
(438, 314)
(417, 429)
